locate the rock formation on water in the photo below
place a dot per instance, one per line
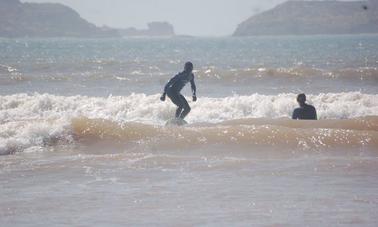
(19, 19)
(154, 29)
(313, 17)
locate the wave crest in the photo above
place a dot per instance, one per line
(277, 134)
(37, 120)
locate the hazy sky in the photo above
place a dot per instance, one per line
(191, 17)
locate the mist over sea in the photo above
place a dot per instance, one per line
(83, 141)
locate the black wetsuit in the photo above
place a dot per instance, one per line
(305, 112)
(173, 89)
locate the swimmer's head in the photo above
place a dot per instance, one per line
(301, 99)
(188, 67)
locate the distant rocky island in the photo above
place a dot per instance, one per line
(313, 17)
(154, 29)
(43, 20)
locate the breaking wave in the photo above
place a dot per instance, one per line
(282, 134)
(28, 122)
(145, 73)
(239, 75)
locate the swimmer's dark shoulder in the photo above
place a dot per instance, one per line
(309, 112)
(309, 108)
(297, 113)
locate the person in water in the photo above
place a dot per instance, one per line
(305, 111)
(174, 87)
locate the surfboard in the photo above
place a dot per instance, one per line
(176, 122)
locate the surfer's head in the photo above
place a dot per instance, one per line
(301, 99)
(188, 67)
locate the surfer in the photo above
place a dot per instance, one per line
(174, 87)
(305, 111)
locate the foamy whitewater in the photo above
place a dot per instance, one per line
(83, 139)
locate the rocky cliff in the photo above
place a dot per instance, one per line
(313, 17)
(45, 20)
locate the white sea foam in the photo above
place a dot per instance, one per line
(148, 109)
(40, 119)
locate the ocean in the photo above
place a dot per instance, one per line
(83, 140)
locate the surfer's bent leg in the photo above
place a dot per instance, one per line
(176, 99)
(185, 106)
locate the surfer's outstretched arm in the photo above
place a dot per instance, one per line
(194, 89)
